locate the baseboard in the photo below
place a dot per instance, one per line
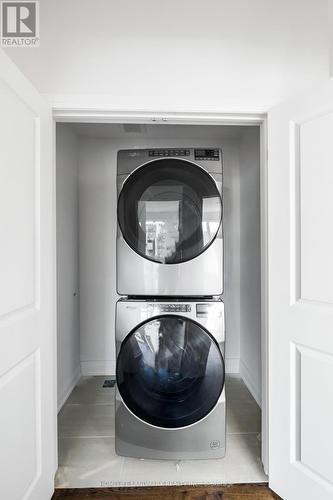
(89, 368)
(248, 381)
(66, 392)
(232, 365)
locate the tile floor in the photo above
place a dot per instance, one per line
(86, 444)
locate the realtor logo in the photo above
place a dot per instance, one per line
(20, 23)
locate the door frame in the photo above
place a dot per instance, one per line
(80, 114)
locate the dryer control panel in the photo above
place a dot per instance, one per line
(169, 152)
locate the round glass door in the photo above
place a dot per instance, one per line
(170, 372)
(169, 211)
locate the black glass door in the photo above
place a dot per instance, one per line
(169, 211)
(170, 371)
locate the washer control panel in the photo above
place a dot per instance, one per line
(171, 308)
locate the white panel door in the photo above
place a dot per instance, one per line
(27, 337)
(300, 218)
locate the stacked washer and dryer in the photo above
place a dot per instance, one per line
(170, 334)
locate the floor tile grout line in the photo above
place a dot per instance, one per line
(243, 433)
(247, 433)
(106, 436)
(87, 437)
(89, 404)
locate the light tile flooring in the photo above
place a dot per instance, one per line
(86, 444)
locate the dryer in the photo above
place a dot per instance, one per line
(169, 237)
(170, 397)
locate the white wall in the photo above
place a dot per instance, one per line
(212, 54)
(67, 262)
(98, 219)
(250, 335)
(97, 181)
(231, 235)
(330, 23)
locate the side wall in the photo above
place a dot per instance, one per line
(330, 23)
(98, 206)
(98, 219)
(67, 262)
(231, 236)
(250, 334)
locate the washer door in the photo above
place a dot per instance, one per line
(169, 211)
(170, 372)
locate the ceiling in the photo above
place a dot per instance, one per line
(158, 131)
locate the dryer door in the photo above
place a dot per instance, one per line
(170, 372)
(169, 210)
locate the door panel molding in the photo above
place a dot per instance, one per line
(15, 385)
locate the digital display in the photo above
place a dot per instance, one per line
(202, 310)
(207, 154)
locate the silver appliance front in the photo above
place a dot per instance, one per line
(170, 400)
(203, 440)
(169, 237)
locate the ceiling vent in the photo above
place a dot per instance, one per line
(134, 128)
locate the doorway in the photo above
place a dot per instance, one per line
(86, 227)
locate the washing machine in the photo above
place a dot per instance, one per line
(170, 397)
(170, 238)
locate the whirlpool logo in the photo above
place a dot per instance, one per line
(20, 23)
(215, 444)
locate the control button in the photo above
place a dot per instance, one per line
(175, 308)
